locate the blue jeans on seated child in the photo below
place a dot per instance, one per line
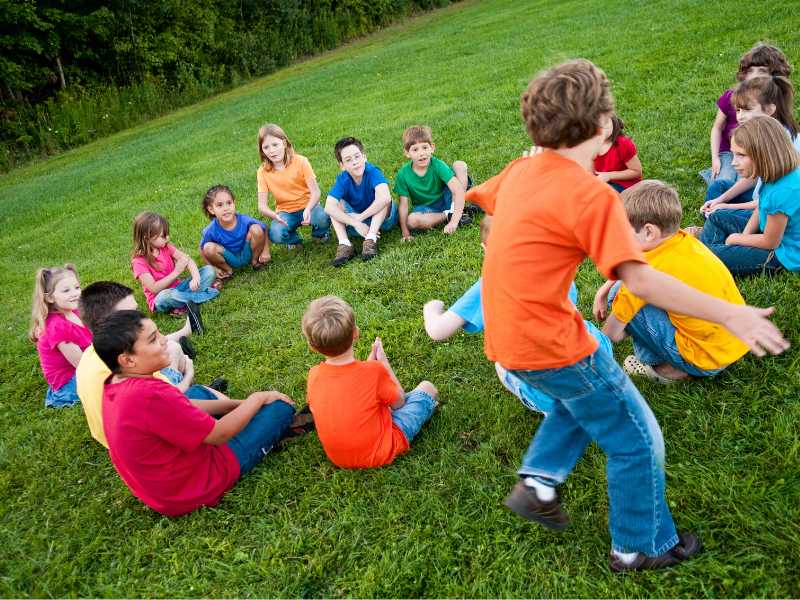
(653, 336)
(176, 297)
(241, 260)
(388, 223)
(442, 204)
(287, 234)
(66, 395)
(417, 410)
(740, 260)
(595, 400)
(726, 170)
(719, 186)
(194, 392)
(266, 427)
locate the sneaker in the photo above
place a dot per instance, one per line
(472, 209)
(524, 501)
(464, 220)
(187, 347)
(369, 250)
(193, 312)
(343, 254)
(323, 239)
(291, 247)
(688, 545)
(220, 384)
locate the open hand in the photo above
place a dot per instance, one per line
(751, 325)
(451, 226)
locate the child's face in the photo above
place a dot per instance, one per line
(160, 240)
(757, 72)
(741, 161)
(420, 153)
(274, 148)
(223, 208)
(743, 115)
(353, 161)
(149, 352)
(66, 293)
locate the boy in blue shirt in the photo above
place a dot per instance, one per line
(359, 202)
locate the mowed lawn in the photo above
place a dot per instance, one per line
(432, 524)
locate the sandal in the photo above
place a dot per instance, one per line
(220, 280)
(633, 366)
(260, 264)
(302, 423)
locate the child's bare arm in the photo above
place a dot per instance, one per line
(748, 323)
(162, 284)
(188, 374)
(716, 137)
(314, 191)
(634, 170)
(264, 209)
(191, 266)
(377, 353)
(440, 324)
(383, 198)
(600, 305)
(216, 408)
(237, 419)
(769, 240)
(335, 211)
(72, 352)
(614, 329)
(741, 186)
(457, 190)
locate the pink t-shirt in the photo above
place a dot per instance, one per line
(155, 439)
(58, 329)
(164, 264)
(616, 159)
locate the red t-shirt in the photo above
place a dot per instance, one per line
(549, 215)
(616, 159)
(58, 329)
(350, 404)
(155, 439)
(164, 264)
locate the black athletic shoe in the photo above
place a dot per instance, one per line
(186, 346)
(220, 384)
(196, 323)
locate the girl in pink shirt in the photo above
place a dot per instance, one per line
(158, 265)
(58, 332)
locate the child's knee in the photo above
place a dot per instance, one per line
(211, 249)
(427, 387)
(176, 356)
(254, 232)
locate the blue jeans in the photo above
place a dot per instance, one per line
(388, 223)
(740, 260)
(726, 170)
(653, 337)
(719, 186)
(287, 234)
(417, 410)
(66, 395)
(194, 392)
(266, 427)
(176, 297)
(595, 400)
(442, 204)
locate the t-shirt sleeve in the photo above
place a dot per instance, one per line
(140, 266)
(443, 171)
(339, 189)
(469, 308)
(485, 194)
(376, 177)
(626, 305)
(261, 180)
(724, 102)
(173, 418)
(400, 184)
(306, 170)
(604, 233)
(388, 392)
(627, 149)
(58, 331)
(248, 220)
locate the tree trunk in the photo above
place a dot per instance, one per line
(61, 73)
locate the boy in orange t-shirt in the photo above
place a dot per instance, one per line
(363, 417)
(550, 213)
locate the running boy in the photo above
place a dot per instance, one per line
(667, 345)
(363, 417)
(550, 212)
(359, 202)
(429, 191)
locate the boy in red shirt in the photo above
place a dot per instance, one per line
(173, 456)
(550, 213)
(363, 417)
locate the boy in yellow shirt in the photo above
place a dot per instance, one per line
(669, 346)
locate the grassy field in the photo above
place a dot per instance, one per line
(432, 524)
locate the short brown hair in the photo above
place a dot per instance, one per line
(486, 226)
(344, 143)
(328, 325)
(655, 202)
(564, 105)
(764, 55)
(417, 134)
(767, 144)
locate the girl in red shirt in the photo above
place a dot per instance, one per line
(617, 162)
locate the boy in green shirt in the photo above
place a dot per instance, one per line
(430, 191)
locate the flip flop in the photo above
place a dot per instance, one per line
(220, 280)
(633, 366)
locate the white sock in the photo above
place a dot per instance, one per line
(545, 493)
(371, 236)
(345, 242)
(626, 557)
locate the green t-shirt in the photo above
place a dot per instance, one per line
(427, 189)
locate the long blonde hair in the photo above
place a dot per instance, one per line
(275, 131)
(146, 226)
(767, 144)
(46, 281)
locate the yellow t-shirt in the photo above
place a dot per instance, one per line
(90, 377)
(288, 186)
(706, 345)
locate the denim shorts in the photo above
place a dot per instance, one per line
(66, 395)
(240, 260)
(417, 410)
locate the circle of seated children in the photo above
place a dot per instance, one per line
(671, 292)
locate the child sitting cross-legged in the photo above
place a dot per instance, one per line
(363, 417)
(669, 345)
(173, 456)
(429, 191)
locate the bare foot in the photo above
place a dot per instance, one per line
(670, 372)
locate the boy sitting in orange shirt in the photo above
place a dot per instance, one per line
(363, 417)
(550, 213)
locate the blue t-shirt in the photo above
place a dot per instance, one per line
(783, 196)
(232, 240)
(358, 196)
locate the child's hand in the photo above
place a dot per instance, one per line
(407, 237)
(603, 177)
(750, 324)
(600, 306)
(734, 239)
(270, 397)
(451, 226)
(306, 216)
(715, 167)
(282, 221)
(194, 284)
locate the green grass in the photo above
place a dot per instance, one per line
(431, 524)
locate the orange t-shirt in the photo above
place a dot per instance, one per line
(350, 404)
(289, 187)
(549, 215)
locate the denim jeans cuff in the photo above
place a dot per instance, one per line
(543, 478)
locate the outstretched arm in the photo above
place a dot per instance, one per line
(440, 324)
